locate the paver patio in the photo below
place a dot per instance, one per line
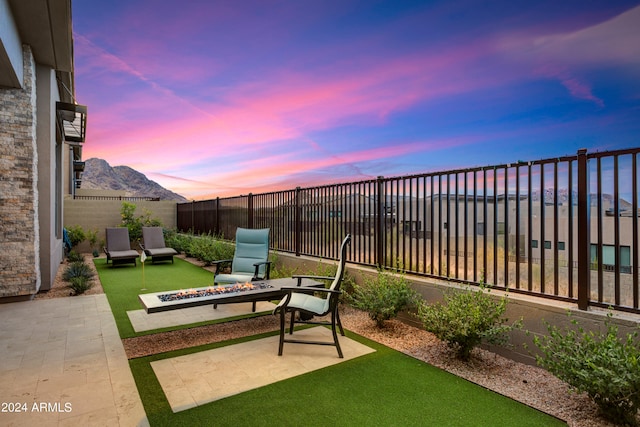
(206, 376)
(63, 363)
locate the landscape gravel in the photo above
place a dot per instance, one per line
(528, 384)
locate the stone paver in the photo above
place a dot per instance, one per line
(62, 363)
(203, 377)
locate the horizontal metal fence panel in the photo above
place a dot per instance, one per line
(516, 226)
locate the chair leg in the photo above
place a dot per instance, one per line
(339, 322)
(335, 335)
(253, 309)
(282, 326)
(293, 320)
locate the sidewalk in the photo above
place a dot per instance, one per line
(63, 364)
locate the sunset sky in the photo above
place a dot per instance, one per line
(218, 98)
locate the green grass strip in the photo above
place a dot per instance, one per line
(385, 388)
(122, 285)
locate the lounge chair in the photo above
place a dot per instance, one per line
(250, 261)
(153, 245)
(118, 247)
(305, 302)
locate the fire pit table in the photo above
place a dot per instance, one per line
(263, 290)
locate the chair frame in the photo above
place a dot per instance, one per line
(306, 317)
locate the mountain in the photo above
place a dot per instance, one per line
(99, 175)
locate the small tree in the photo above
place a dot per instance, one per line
(92, 238)
(134, 224)
(383, 297)
(467, 318)
(602, 365)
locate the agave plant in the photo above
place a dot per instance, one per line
(77, 269)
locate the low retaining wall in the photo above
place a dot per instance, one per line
(533, 311)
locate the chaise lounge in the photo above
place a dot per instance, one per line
(154, 246)
(118, 246)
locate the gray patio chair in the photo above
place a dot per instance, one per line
(305, 302)
(118, 246)
(250, 261)
(153, 245)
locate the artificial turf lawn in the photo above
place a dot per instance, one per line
(386, 388)
(124, 283)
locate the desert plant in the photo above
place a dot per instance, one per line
(466, 318)
(604, 366)
(383, 297)
(74, 256)
(76, 235)
(92, 238)
(79, 284)
(77, 269)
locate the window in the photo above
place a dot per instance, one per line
(561, 246)
(609, 258)
(547, 244)
(534, 244)
(481, 229)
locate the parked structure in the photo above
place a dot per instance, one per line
(41, 134)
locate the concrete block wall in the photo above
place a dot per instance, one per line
(100, 214)
(19, 245)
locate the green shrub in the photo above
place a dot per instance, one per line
(604, 366)
(208, 249)
(74, 256)
(77, 269)
(76, 235)
(467, 318)
(79, 284)
(383, 297)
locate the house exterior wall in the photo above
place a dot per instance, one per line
(49, 171)
(19, 218)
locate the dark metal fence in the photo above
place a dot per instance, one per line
(123, 198)
(563, 228)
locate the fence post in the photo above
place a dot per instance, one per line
(216, 220)
(380, 222)
(297, 226)
(193, 202)
(250, 210)
(584, 241)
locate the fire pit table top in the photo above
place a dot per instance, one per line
(263, 290)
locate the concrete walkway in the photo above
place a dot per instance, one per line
(62, 363)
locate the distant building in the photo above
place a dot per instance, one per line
(41, 134)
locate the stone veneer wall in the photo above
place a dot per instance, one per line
(19, 241)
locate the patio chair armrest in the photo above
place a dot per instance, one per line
(290, 289)
(218, 263)
(303, 276)
(284, 303)
(267, 272)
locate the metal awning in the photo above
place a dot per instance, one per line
(73, 121)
